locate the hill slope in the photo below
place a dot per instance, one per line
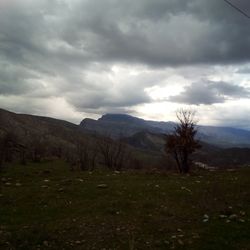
(117, 125)
(145, 138)
(29, 126)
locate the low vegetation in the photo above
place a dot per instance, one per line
(46, 206)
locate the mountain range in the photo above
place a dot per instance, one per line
(221, 146)
(122, 125)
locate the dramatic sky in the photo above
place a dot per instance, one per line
(72, 59)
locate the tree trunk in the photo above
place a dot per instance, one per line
(185, 165)
(177, 161)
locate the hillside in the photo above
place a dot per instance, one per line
(24, 125)
(144, 139)
(117, 125)
(209, 154)
(34, 138)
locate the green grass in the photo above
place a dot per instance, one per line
(54, 208)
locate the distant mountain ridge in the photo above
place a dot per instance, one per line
(123, 125)
(117, 125)
(145, 139)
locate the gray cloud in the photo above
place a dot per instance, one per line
(116, 92)
(153, 33)
(244, 70)
(209, 92)
(67, 49)
(160, 33)
(14, 80)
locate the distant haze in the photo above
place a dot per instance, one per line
(72, 59)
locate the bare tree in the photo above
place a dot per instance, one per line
(23, 154)
(82, 148)
(182, 142)
(86, 153)
(1, 151)
(106, 151)
(120, 154)
(9, 146)
(113, 152)
(37, 148)
(93, 158)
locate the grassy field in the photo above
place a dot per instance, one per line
(45, 206)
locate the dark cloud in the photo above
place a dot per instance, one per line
(68, 48)
(160, 32)
(153, 33)
(107, 99)
(209, 92)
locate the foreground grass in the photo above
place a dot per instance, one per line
(45, 206)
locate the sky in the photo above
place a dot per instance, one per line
(72, 59)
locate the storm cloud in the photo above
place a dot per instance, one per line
(208, 92)
(102, 55)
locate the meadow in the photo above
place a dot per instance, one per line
(47, 206)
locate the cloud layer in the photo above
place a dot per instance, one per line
(95, 56)
(209, 92)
